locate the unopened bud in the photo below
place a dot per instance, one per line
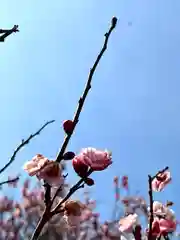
(114, 22)
(69, 156)
(89, 181)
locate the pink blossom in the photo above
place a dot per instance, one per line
(51, 173)
(72, 221)
(72, 213)
(167, 226)
(6, 204)
(45, 169)
(97, 160)
(164, 219)
(35, 165)
(162, 226)
(160, 210)
(160, 181)
(126, 223)
(86, 214)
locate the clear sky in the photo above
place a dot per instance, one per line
(133, 107)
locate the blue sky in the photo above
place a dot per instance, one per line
(133, 107)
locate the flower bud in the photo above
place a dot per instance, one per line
(69, 156)
(80, 168)
(89, 181)
(68, 126)
(114, 22)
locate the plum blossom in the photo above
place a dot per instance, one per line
(164, 219)
(45, 169)
(126, 224)
(34, 166)
(97, 160)
(72, 213)
(160, 210)
(6, 204)
(162, 226)
(160, 181)
(134, 204)
(73, 207)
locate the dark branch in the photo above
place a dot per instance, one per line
(10, 181)
(47, 196)
(151, 216)
(23, 143)
(78, 185)
(160, 172)
(86, 90)
(8, 32)
(82, 99)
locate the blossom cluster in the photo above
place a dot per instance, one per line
(77, 219)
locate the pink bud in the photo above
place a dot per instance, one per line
(80, 168)
(89, 181)
(69, 156)
(68, 126)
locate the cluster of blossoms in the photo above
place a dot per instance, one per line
(62, 217)
(89, 159)
(77, 220)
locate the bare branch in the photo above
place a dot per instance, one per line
(44, 219)
(86, 90)
(10, 181)
(159, 172)
(47, 197)
(7, 32)
(23, 143)
(151, 216)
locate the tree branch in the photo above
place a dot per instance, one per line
(9, 181)
(8, 32)
(86, 90)
(72, 190)
(151, 217)
(23, 143)
(45, 218)
(159, 172)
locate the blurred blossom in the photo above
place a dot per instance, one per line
(160, 181)
(126, 224)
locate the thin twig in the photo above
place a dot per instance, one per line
(151, 217)
(86, 90)
(160, 172)
(9, 181)
(82, 99)
(7, 32)
(72, 190)
(23, 143)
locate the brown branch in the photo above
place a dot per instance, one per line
(23, 143)
(45, 218)
(72, 190)
(9, 181)
(151, 217)
(8, 32)
(160, 172)
(86, 90)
